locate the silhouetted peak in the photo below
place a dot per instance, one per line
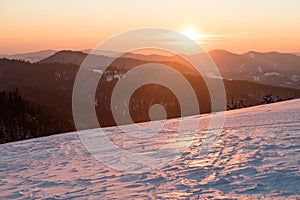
(66, 56)
(220, 52)
(69, 52)
(251, 53)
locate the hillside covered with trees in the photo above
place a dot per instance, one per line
(21, 119)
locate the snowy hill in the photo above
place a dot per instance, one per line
(256, 156)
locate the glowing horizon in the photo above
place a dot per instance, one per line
(258, 25)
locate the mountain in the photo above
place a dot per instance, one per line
(50, 84)
(138, 56)
(297, 54)
(65, 57)
(99, 56)
(273, 68)
(74, 57)
(31, 57)
(256, 156)
(100, 52)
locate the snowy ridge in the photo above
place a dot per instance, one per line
(256, 156)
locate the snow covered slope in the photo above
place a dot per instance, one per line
(257, 155)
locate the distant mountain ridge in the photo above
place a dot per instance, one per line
(31, 56)
(65, 57)
(297, 53)
(43, 54)
(49, 84)
(271, 68)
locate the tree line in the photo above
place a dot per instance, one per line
(21, 119)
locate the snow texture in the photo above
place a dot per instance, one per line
(257, 155)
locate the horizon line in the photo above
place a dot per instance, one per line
(86, 49)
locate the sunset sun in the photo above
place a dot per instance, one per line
(190, 33)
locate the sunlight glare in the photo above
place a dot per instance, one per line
(190, 33)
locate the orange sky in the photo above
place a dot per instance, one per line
(234, 25)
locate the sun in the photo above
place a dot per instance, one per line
(190, 33)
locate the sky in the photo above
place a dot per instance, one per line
(235, 25)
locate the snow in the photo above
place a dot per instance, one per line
(98, 71)
(260, 69)
(257, 155)
(272, 74)
(256, 78)
(295, 78)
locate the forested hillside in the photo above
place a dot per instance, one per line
(21, 119)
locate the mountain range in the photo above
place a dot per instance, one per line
(271, 68)
(250, 79)
(31, 56)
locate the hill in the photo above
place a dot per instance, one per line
(21, 119)
(50, 86)
(272, 68)
(65, 57)
(255, 156)
(31, 56)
